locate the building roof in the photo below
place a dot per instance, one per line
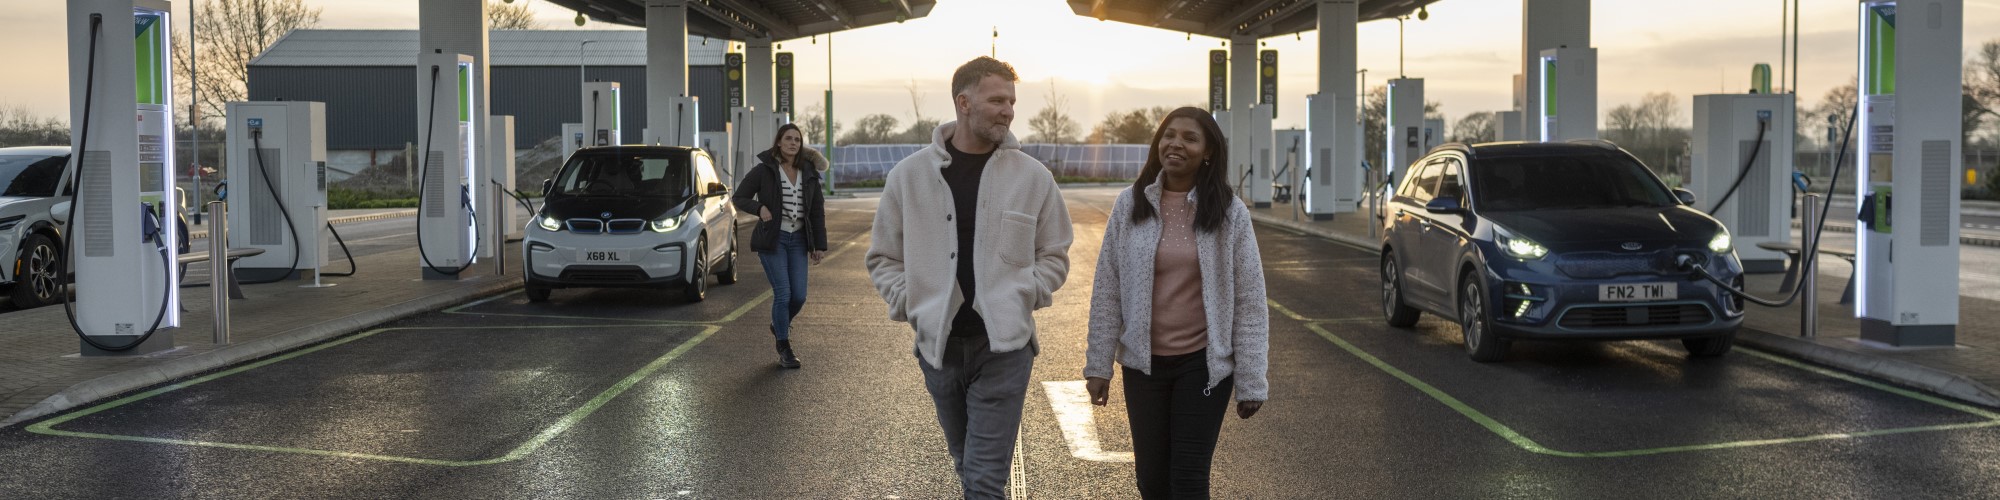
(507, 47)
(773, 19)
(1228, 18)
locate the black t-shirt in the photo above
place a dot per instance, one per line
(962, 175)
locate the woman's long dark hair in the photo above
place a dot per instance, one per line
(1211, 183)
(778, 155)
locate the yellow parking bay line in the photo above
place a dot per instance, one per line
(1990, 419)
(569, 420)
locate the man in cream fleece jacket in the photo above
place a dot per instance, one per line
(971, 237)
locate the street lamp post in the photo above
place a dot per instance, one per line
(580, 79)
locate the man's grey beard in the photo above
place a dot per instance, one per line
(994, 133)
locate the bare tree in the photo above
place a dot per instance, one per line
(812, 123)
(230, 33)
(872, 129)
(1375, 123)
(916, 101)
(20, 126)
(510, 16)
(1130, 127)
(1650, 130)
(1052, 125)
(1476, 128)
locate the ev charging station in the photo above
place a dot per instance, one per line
(717, 144)
(1249, 152)
(1288, 162)
(1332, 186)
(1405, 129)
(601, 121)
(683, 122)
(1742, 151)
(498, 223)
(1510, 126)
(751, 132)
(572, 139)
(1567, 81)
(277, 166)
(122, 115)
(1907, 186)
(1433, 134)
(1259, 151)
(446, 235)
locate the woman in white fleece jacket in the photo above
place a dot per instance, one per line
(1179, 300)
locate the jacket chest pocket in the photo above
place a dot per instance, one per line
(1017, 238)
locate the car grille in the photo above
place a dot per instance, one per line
(604, 274)
(614, 226)
(1601, 265)
(1630, 316)
(625, 226)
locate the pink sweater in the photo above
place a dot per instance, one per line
(1180, 323)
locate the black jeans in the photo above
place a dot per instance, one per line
(1174, 425)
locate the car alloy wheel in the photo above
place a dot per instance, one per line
(1481, 343)
(39, 285)
(697, 286)
(1397, 313)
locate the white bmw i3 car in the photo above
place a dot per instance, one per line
(633, 217)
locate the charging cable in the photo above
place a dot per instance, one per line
(257, 144)
(423, 186)
(1688, 264)
(1756, 147)
(149, 222)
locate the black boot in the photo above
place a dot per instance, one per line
(785, 357)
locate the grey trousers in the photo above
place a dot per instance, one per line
(979, 395)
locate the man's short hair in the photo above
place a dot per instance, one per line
(972, 71)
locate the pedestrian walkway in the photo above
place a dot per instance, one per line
(40, 372)
(1970, 371)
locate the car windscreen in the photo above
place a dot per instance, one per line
(624, 174)
(1565, 182)
(31, 175)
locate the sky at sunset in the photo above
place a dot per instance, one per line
(1467, 52)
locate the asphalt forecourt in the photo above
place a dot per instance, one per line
(636, 394)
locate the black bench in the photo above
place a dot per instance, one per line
(1792, 251)
(235, 290)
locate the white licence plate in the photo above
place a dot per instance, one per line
(601, 256)
(1637, 292)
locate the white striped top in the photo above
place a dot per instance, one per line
(795, 210)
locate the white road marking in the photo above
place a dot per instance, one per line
(1073, 412)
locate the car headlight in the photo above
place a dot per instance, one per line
(668, 224)
(1721, 243)
(548, 223)
(1517, 246)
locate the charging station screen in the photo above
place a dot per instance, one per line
(150, 78)
(1880, 44)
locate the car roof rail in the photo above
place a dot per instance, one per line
(1596, 142)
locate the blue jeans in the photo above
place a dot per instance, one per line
(786, 267)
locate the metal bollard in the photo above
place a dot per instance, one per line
(500, 229)
(1809, 268)
(218, 267)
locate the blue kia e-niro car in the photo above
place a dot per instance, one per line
(1554, 241)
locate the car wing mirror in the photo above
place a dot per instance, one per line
(1445, 206)
(548, 184)
(60, 212)
(1686, 196)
